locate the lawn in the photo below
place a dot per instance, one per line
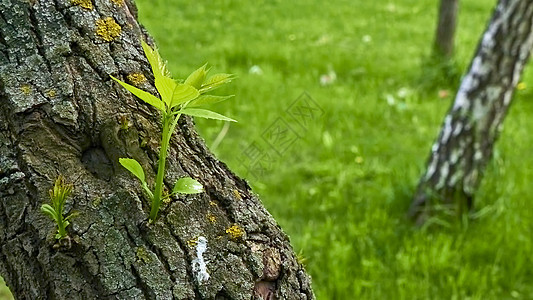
(341, 188)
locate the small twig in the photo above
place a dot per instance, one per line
(220, 136)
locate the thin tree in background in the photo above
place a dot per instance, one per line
(464, 146)
(443, 45)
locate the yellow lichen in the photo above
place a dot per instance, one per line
(136, 78)
(192, 243)
(118, 2)
(212, 218)
(83, 3)
(212, 203)
(107, 29)
(51, 93)
(235, 232)
(25, 89)
(237, 194)
(165, 195)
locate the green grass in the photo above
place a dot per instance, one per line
(341, 191)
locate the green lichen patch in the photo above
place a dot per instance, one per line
(107, 29)
(143, 255)
(118, 2)
(87, 4)
(97, 201)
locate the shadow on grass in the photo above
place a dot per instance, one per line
(438, 73)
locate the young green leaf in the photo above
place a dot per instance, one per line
(72, 215)
(196, 79)
(216, 81)
(158, 65)
(183, 93)
(49, 210)
(208, 99)
(145, 96)
(204, 113)
(165, 86)
(134, 167)
(187, 185)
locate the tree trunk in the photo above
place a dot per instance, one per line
(446, 24)
(60, 113)
(464, 147)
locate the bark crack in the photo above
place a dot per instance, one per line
(145, 289)
(39, 41)
(188, 262)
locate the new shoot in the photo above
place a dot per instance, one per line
(177, 98)
(58, 196)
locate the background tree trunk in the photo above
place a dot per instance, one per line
(471, 127)
(60, 113)
(445, 32)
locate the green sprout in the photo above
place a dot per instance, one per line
(177, 98)
(58, 196)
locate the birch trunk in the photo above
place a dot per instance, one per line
(464, 146)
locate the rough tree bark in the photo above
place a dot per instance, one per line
(464, 147)
(60, 113)
(445, 32)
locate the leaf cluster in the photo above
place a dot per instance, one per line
(58, 196)
(181, 98)
(176, 98)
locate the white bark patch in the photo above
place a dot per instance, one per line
(478, 155)
(444, 170)
(454, 156)
(507, 97)
(447, 129)
(493, 92)
(480, 67)
(435, 147)
(488, 38)
(199, 264)
(458, 128)
(432, 167)
(470, 182)
(461, 102)
(479, 111)
(458, 175)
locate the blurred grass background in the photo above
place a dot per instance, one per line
(341, 191)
